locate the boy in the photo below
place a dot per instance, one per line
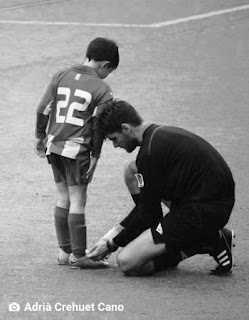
(67, 134)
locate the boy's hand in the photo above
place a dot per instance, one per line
(40, 148)
(92, 167)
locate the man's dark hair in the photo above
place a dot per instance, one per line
(101, 49)
(116, 113)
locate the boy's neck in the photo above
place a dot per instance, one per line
(96, 65)
(93, 64)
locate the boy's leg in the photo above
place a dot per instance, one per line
(77, 227)
(61, 217)
(61, 208)
(76, 219)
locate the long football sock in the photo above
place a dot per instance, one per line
(77, 228)
(61, 228)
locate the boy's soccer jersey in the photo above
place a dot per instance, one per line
(72, 100)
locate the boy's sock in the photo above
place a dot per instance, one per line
(61, 228)
(77, 227)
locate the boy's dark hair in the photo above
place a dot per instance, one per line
(101, 49)
(116, 113)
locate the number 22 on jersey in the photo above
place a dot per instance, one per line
(69, 117)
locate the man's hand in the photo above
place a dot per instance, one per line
(105, 246)
(40, 147)
(99, 251)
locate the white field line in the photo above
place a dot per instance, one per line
(201, 16)
(122, 25)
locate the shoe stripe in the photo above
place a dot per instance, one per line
(224, 259)
(226, 263)
(222, 254)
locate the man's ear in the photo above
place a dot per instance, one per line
(126, 128)
(105, 64)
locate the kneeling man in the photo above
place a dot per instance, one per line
(181, 170)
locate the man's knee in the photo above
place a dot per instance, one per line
(126, 264)
(129, 268)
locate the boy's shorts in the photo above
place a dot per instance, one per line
(70, 171)
(190, 224)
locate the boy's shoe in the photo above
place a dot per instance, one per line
(63, 257)
(85, 263)
(224, 253)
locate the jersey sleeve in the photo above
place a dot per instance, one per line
(44, 108)
(137, 223)
(47, 99)
(126, 221)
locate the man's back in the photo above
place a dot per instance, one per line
(185, 166)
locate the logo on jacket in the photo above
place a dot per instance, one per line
(159, 229)
(140, 180)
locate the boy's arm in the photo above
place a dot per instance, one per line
(97, 137)
(42, 117)
(40, 134)
(96, 144)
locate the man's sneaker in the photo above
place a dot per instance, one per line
(224, 253)
(85, 263)
(63, 257)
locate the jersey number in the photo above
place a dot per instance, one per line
(69, 118)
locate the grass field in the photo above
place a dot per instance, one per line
(192, 74)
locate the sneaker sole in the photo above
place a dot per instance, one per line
(89, 267)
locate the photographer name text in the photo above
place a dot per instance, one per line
(70, 307)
